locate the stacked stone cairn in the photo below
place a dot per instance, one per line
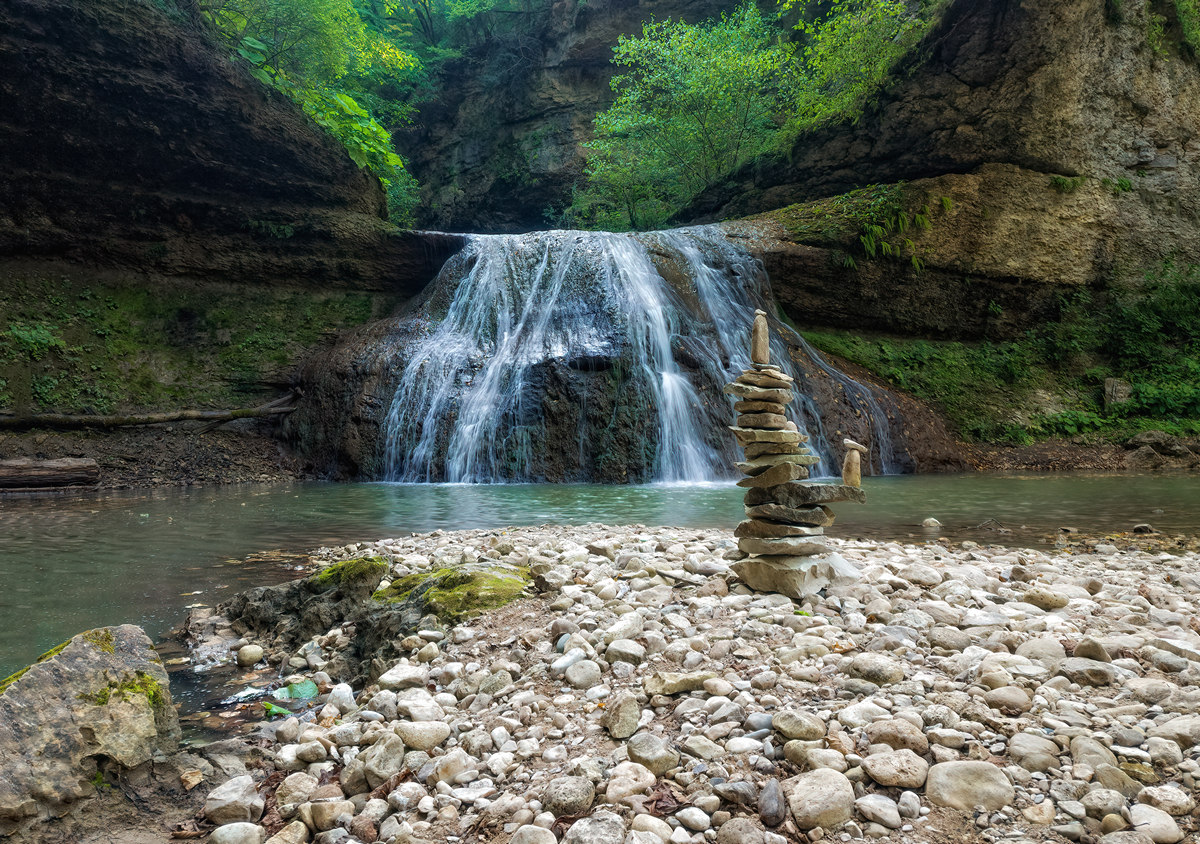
(784, 532)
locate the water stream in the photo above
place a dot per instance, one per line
(619, 344)
(72, 563)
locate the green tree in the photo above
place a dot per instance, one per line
(851, 52)
(696, 101)
(325, 56)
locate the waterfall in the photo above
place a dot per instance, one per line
(576, 355)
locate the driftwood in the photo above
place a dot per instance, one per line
(25, 473)
(72, 421)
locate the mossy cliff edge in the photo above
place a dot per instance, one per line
(1007, 227)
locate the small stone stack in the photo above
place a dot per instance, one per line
(787, 516)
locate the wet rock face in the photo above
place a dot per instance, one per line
(97, 703)
(129, 138)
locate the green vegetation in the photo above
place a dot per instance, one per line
(99, 782)
(694, 103)
(79, 345)
(874, 221)
(997, 392)
(353, 571)
(1067, 184)
(139, 683)
(324, 55)
(17, 675)
(454, 593)
(697, 101)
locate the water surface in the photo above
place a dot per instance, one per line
(71, 563)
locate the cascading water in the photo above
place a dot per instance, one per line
(625, 340)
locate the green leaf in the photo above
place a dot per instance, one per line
(304, 690)
(275, 711)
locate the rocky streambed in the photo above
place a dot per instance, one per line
(626, 688)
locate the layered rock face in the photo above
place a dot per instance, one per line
(129, 139)
(1063, 138)
(500, 146)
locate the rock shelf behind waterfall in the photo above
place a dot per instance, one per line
(642, 695)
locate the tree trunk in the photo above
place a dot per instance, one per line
(61, 420)
(25, 473)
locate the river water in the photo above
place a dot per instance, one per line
(72, 563)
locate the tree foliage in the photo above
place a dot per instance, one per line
(694, 102)
(325, 56)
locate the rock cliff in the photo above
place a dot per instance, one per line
(499, 149)
(1052, 146)
(129, 139)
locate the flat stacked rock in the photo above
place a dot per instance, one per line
(784, 533)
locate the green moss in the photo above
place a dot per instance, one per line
(454, 593)
(352, 571)
(102, 639)
(139, 683)
(82, 344)
(50, 654)
(1049, 382)
(870, 222)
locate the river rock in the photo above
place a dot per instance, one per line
(249, 655)
(102, 697)
(876, 668)
(967, 784)
(1089, 648)
(798, 724)
(601, 828)
(821, 798)
(751, 393)
(879, 808)
(1156, 823)
(764, 529)
(568, 796)
(1045, 598)
(422, 735)
(626, 779)
(1184, 730)
(796, 577)
(238, 833)
(403, 676)
(776, 421)
(621, 715)
(650, 750)
(784, 547)
(234, 801)
(674, 682)
(740, 831)
(899, 768)
(1089, 672)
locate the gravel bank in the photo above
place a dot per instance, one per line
(639, 694)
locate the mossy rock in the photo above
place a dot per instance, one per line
(456, 593)
(138, 683)
(101, 638)
(360, 575)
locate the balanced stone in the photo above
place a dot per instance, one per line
(765, 529)
(759, 407)
(804, 495)
(769, 380)
(756, 435)
(760, 344)
(753, 451)
(790, 546)
(780, 473)
(761, 464)
(752, 393)
(818, 516)
(763, 420)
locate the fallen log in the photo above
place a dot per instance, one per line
(71, 421)
(25, 473)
